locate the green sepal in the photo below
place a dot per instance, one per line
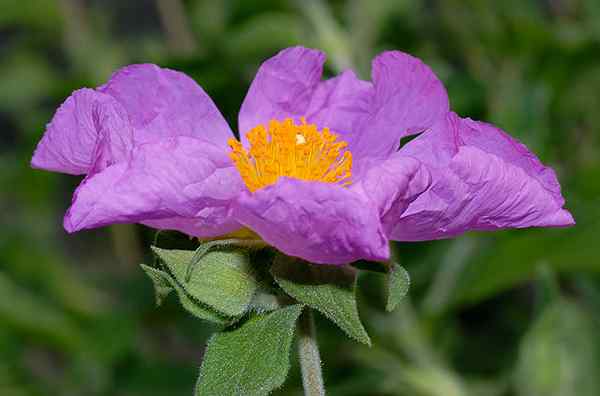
(164, 283)
(327, 288)
(251, 360)
(397, 279)
(398, 284)
(223, 280)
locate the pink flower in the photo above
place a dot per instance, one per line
(321, 176)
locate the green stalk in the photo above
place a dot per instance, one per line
(308, 351)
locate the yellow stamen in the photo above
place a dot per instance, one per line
(299, 151)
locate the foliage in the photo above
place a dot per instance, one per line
(328, 289)
(76, 312)
(252, 360)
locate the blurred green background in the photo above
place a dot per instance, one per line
(506, 313)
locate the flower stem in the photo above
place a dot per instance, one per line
(308, 351)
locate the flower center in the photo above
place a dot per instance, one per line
(300, 151)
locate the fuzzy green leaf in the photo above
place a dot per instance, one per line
(398, 283)
(328, 289)
(251, 360)
(164, 283)
(223, 280)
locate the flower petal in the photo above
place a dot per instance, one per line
(339, 104)
(392, 185)
(405, 98)
(408, 98)
(162, 102)
(288, 86)
(86, 125)
(319, 222)
(163, 184)
(97, 128)
(212, 222)
(482, 180)
(282, 88)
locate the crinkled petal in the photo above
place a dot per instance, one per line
(162, 102)
(392, 185)
(97, 128)
(319, 222)
(288, 86)
(408, 98)
(339, 104)
(209, 223)
(405, 98)
(282, 88)
(90, 129)
(482, 180)
(163, 182)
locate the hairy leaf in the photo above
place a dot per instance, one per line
(326, 288)
(398, 283)
(224, 280)
(160, 280)
(251, 360)
(164, 283)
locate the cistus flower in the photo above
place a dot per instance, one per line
(318, 172)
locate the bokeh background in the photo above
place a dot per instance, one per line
(509, 313)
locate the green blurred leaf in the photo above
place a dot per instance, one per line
(60, 281)
(398, 283)
(560, 355)
(515, 257)
(34, 13)
(223, 280)
(327, 33)
(268, 32)
(251, 360)
(31, 315)
(327, 288)
(25, 78)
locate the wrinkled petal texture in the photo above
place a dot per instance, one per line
(408, 98)
(392, 185)
(97, 128)
(153, 147)
(89, 125)
(163, 103)
(177, 183)
(405, 97)
(319, 222)
(483, 179)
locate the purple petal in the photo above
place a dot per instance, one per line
(88, 125)
(163, 184)
(392, 185)
(405, 98)
(283, 87)
(408, 98)
(288, 86)
(162, 102)
(319, 222)
(339, 104)
(482, 180)
(212, 222)
(97, 128)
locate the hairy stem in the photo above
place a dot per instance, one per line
(308, 351)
